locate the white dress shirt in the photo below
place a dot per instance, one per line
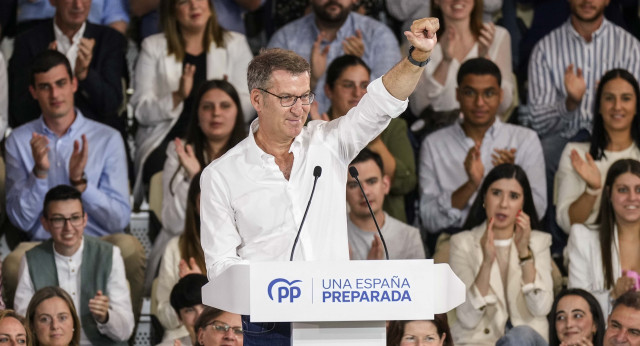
(442, 169)
(120, 324)
(69, 47)
(251, 212)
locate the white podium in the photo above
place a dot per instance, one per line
(337, 302)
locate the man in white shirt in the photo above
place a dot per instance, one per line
(259, 188)
(81, 265)
(454, 160)
(403, 241)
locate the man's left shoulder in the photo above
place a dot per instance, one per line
(523, 134)
(104, 34)
(370, 27)
(398, 226)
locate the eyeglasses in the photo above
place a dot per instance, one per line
(74, 220)
(223, 327)
(289, 101)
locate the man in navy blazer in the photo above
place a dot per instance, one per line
(97, 56)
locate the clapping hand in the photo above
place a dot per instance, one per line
(354, 45)
(487, 34)
(99, 307)
(187, 158)
(486, 242)
(586, 169)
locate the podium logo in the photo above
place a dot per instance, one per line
(285, 289)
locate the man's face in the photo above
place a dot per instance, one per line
(374, 184)
(623, 327)
(65, 221)
(71, 13)
(54, 91)
(332, 11)
(479, 97)
(588, 10)
(280, 123)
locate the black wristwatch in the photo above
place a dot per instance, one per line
(415, 62)
(83, 180)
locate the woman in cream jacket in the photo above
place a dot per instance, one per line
(505, 265)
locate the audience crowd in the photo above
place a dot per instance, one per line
(517, 161)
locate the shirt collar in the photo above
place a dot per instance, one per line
(76, 257)
(257, 155)
(76, 37)
(603, 28)
(75, 126)
(493, 131)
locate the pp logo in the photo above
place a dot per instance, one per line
(286, 289)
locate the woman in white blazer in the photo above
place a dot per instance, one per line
(505, 265)
(167, 70)
(600, 257)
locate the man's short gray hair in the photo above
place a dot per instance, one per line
(273, 59)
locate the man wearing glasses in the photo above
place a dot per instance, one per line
(90, 270)
(254, 197)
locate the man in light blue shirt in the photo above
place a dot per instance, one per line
(230, 13)
(64, 147)
(454, 160)
(333, 30)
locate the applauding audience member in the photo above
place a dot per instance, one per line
(186, 301)
(403, 241)
(51, 308)
(182, 256)
(583, 165)
(624, 321)
(172, 65)
(347, 79)
(91, 270)
(505, 264)
(331, 30)
(216, 125)
(576, 319)
(603, 258)
(462, 36)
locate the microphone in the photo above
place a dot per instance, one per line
(317, 171)
(354, 174)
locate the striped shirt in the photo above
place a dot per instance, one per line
(611, 47)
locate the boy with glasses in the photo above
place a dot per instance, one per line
(89, 269)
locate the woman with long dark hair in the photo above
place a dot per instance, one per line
(172, 65)
(604, 258)
(576, 319)
(615, 135)
(504, 262)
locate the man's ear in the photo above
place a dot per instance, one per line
(45, 223)
(386, 183)
(257, 99)
(32, 90)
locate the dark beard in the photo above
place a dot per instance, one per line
(323, 15)
(592, 19)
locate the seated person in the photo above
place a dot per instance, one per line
(624, 321)
(333, 29)
(186, 301)
(226, 328)
(575, 319)
(347, 79)
(583, 165)
(600, 255)
(403, 241)
(182, 256)
(96, 54)
(91, 270)
(505, 263)
(13, 329)
(171, 67)
(64, 147)
(4, 97)
(51, 307)
(455, 159)
(215, 125)
(462, 36)
(434, 332)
